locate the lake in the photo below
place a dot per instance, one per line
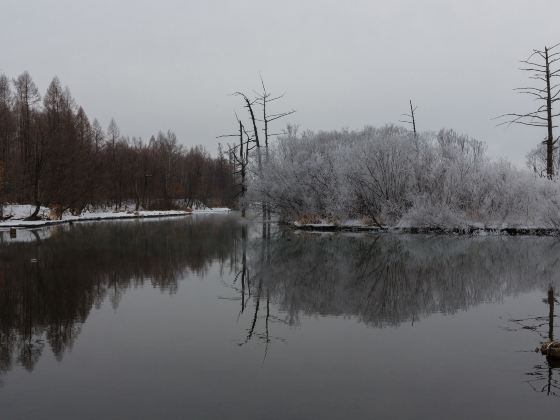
(204, 317)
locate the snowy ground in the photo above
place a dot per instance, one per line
(20, 212)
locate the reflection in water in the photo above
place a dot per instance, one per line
(386, 279)
(243, 276)
(544, 378)
(382, 280)
(278, 276)
(49, 286)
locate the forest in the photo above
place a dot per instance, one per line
(52, 155)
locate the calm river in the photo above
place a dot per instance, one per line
(203, 318)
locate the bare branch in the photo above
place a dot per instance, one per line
(277, 116)
(530, 63)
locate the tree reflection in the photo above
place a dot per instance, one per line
(544, 377)
(389, 279)
(260, 249)
(49, 286)
(382, 280)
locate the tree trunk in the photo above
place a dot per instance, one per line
(550, 139)
(551, 313)
(35, 212)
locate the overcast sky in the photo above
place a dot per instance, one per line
(170, 64)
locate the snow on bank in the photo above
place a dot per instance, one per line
(211, 210)
(19, 212)
(475, 229)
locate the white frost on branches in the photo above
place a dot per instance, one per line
(390, 177)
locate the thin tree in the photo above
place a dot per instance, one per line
(411, 118)
(540, 66)
(249, 103)
(7, 129)
(113, 136)
(265, 98)
(26, 97)
(239, 154)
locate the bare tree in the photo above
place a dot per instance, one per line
(239, 154)
(411, 118)
(7, 129)
(242, 159)
(540, 65)
(264, 98)
(113, 133)
(113, 136)
(26, 98)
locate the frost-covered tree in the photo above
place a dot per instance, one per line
(388, 176)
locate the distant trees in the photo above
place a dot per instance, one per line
(540, 64)
(52, 155)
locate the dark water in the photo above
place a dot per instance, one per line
(202, 318)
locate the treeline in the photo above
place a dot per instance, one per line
(52, 155)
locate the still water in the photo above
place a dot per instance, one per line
(203, 318)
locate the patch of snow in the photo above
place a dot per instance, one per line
(20, 212)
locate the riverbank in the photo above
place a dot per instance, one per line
(468, 230)
(17, 221)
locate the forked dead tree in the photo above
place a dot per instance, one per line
(540, 65)
(263, 99)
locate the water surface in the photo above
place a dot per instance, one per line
(203, 318)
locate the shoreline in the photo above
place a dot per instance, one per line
(467, 231)
(29, 224)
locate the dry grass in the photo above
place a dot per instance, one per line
(309, 219)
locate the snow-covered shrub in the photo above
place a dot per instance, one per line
(392, 177)
(300, 177)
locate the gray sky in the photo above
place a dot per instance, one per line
(171, 64)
